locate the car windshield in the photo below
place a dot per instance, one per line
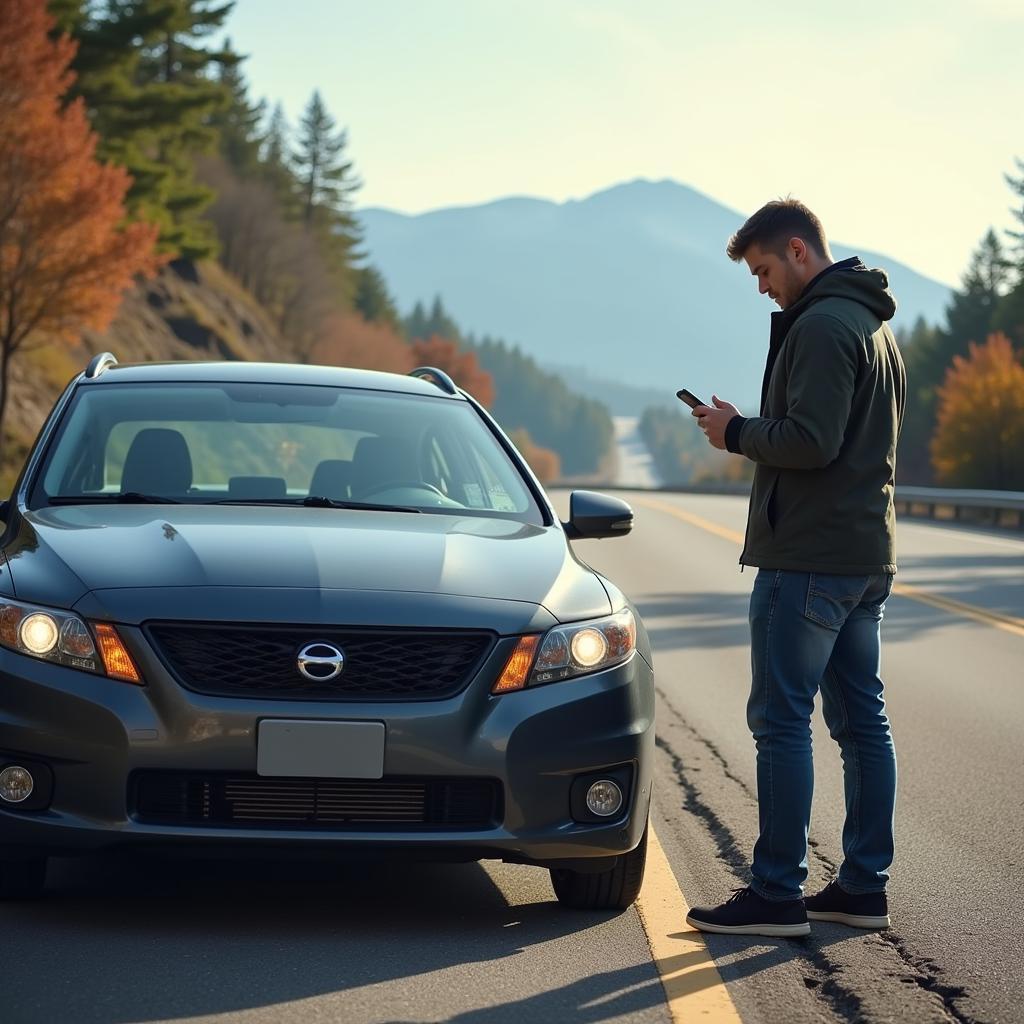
(280, 444)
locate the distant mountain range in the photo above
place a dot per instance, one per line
(632, 285)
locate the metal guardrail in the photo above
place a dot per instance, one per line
(991, 508)
(1004, 509)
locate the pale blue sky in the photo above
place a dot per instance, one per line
(895, 124)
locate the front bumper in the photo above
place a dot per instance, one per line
(95, 734)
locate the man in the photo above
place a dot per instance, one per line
(820, 530)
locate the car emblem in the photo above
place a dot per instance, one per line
(320, 662)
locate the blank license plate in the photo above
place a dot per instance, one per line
(323, 750)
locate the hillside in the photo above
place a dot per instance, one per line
(631, 284)
(188, 311)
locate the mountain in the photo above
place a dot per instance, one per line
(631, 284)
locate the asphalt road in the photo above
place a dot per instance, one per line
(956, 700)
(154, 940)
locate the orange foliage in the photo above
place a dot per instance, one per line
(349, 340)
(65, 257)
(544, 462)
(462, 367)
(979, 437)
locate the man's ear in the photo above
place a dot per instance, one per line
(798, 250)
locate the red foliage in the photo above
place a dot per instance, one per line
(462, 367)
(65, 255)
(545, 463)
(348, 340)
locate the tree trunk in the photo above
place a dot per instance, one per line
(4, 363)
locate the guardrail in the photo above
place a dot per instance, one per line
(1004, 509)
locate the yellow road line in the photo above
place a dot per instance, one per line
(693, 987)
(1009, 623)
(997, 619)
(689, 517)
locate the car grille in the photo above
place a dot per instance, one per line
(231, 661)
(252, 801)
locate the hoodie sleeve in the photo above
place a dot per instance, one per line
(821, 370)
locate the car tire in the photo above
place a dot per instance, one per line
(614, 889)
(22, 879)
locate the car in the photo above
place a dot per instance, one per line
(263, 609)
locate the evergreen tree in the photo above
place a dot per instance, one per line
(238, 123)
(147, 81)
(325, 173)
(372, 300)
(437, 323)
(274, 163)
(1017, 186)
(969, 315)
(326, 185)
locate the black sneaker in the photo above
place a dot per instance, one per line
(867, 910)
(746, 913)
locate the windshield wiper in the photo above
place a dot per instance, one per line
(317, 501)
(121, 498)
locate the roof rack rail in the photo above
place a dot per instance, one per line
(440, 378)
(100, 363)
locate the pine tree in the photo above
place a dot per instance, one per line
(373, 301)
(147, 80)
(328, 183)
(438, 322)
(1017, 186)
(238, 123)
(969, 315)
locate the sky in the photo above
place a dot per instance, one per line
(896, 124)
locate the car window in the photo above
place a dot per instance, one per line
(207, 442)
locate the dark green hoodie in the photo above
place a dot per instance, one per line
(832, 404)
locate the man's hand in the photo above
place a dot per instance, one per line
(714, 421)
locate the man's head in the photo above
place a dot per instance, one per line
(785, 247)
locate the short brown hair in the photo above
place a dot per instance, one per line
(774, 225)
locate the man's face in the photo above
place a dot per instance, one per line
(778, 277)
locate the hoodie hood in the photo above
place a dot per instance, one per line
(850, 279)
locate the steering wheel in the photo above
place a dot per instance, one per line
(394, 485)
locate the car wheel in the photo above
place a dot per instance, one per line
(22, 879)
(614, 889)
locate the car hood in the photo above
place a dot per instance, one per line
(63, 553)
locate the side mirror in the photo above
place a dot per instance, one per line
(597, 515)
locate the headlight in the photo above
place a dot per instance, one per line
(583, 647)
(48, 634)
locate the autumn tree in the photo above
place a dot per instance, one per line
(462, 367)
(979, 439)
(65, 259)
(544, 462)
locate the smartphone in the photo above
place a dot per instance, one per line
(689, 398)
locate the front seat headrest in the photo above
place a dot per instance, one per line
(158, 462)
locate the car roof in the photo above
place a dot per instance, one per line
(181, 371)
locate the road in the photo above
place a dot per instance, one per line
(154, 940)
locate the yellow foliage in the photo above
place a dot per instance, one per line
(979, 436)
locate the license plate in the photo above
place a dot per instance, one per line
(322, 750)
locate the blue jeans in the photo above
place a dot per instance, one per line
(811, 631)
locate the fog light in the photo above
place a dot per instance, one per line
(16, 784)
(604, 798)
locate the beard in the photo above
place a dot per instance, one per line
(791, 289)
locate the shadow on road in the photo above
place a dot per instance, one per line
(143, 938)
